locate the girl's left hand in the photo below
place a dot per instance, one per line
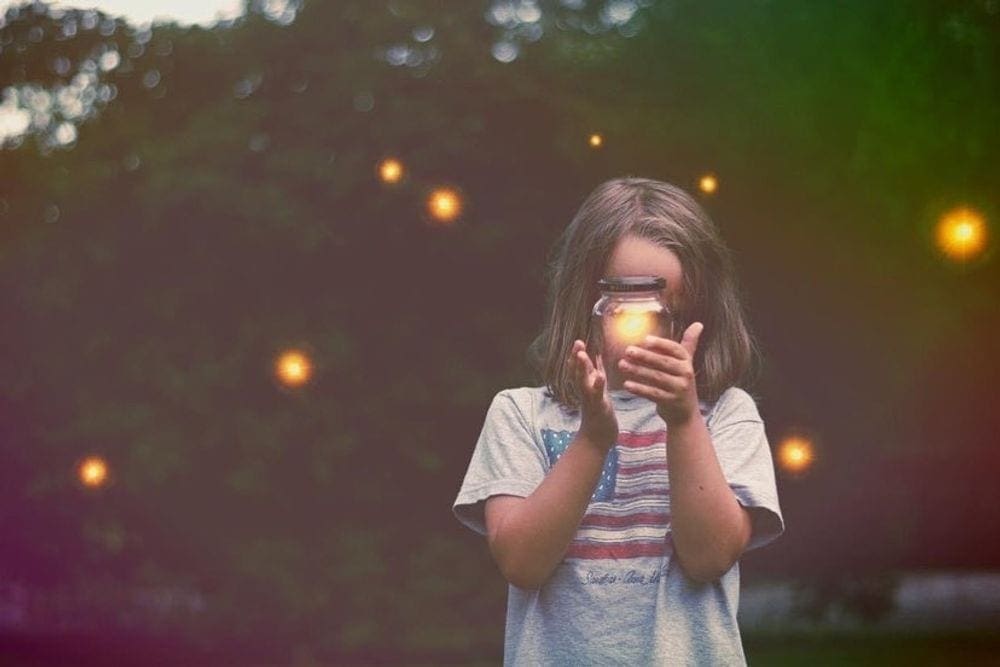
(662, 370)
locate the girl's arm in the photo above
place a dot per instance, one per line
(710, 528)
(528, 536)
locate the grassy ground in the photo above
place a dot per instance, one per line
(921, 651)
(979, 649)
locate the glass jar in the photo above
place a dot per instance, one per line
(629, 309)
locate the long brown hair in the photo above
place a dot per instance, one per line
(668, 216)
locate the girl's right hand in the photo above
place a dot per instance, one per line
(598, 422)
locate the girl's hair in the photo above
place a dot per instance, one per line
(668, 216)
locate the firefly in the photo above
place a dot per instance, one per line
(633, 326)
(961, 234)
(93, 472)
(390, 171)
(444, 205)
(708, 184)
(596, 140)
(293, 368)
(796, 454)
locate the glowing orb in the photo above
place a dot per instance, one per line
(93, 472)
(633, 326)
(596, 141)
(796, 454)
(293, 368)
(444, 205)
(708, 184)
(961, 234)
(390, 171)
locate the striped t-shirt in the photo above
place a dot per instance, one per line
(618, 597)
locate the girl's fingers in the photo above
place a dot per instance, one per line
(600, 365)
(665, 346)
(575, 361)
(571, 357)
(599, 380)
(576, 367)
(691, 336)
(601, 373)
(584, 359)
(667, 364)
(581, 370)
(588, 378)
(653, 393)
(651, 376)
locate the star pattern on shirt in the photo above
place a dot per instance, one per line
(556, 443)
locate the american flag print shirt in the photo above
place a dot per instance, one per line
(629, 512)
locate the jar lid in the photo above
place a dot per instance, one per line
(632, 284)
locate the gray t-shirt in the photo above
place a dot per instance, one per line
(618, 597)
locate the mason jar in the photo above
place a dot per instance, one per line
(629, 309)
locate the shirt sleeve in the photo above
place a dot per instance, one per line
(507, 460)
(744, 454)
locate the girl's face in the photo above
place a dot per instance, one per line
(636, 256)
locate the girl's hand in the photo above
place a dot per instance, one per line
(662, 370)
(598, 421)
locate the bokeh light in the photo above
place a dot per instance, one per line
(505, 51)
(708, 184)
(961, 234)
(92, 472)
(796, 454)
(293, 368)
(444, 205)
(596, 140)
(390, 171)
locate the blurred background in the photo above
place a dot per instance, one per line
(264, 263)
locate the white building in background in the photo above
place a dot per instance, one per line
(921, 602)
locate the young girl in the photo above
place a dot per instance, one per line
(617, 502)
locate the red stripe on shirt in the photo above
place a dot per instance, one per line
(645, 439)
(635, 470)
(639, 518)
(625, 550)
